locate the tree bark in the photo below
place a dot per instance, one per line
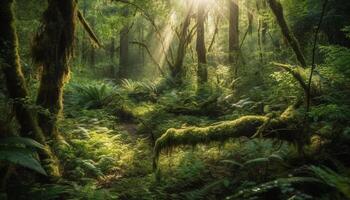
(233, 33)
(202, 73)
(112, 56)
(124, 50)
(277, 10)
(16, 86)
(52, 50)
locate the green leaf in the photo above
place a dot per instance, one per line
(13, 141)
(232, 162)
(275, 157)
(22, 157)
(256, 161)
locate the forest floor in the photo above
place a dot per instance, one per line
(108, 152)
(115, 156)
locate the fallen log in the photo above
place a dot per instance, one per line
(286, 127)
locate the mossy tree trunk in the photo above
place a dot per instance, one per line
(233, 34)
(202, 72)
(286, 127)
(16, 86)
(277, 10)
(52, 50)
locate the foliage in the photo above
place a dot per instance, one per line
(21, 151)
(333, 179)
(70, 190)
(93, 95)
(337, 57)
(285, 185)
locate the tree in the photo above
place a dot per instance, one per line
(16, 86)
(233, 33)
(202, 72)
(177, 69)
(277, 10)
(52, 51)
(124, 48)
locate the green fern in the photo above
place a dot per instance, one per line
(333, 179)
(280, 183)
(94, 95)
(129, 85)
(21, 151)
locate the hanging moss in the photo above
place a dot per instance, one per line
(244, 126)
(52, 50)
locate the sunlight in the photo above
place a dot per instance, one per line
(167, 34)
(203, 2)
(187, 3)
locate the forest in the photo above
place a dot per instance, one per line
(174, 99)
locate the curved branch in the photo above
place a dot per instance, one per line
(89, 30)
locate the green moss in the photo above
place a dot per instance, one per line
(52, 50)
(244, 126)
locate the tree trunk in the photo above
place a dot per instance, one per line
(112, 56)
(16, 86)
(177, 69)
(124, 49)
(83, 49)
(233, 33)
(265, 26)
(277, 10)
(52, 50)
(202, 72)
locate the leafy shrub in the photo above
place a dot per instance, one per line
(330, 112)
(338, 58)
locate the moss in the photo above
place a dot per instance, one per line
(244, 126)
(16, 87)
(286, 127)
(52, 50)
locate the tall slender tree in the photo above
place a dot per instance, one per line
(52, 50)
(202, 72)
(233, 34)
(124, 48)
(177, 69)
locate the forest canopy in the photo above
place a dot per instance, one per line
(175, 99)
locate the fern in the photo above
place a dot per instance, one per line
(129, 85)
(94, 95)
(21, 151)
(333, 179)
(280, 183)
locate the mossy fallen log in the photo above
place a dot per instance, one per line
(286, 127)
